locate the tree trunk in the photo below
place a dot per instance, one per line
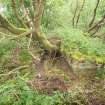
(41, 37)
(94, 14)
(13, 29)
(79, 14)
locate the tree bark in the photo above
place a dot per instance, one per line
(13, 29)
(75, 12)
(17, 14)
(97, 24)
(37, 31)
(41, 37)
(94, 14)
(79, 14)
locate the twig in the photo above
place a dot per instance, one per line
(14, 70)
(4, 23)
(28, 47)
(15, 94)
(14, 8)
(94, 13)
(100, 22)
(4, 34)
(79, 14)
(23, 34)
(2, 38)
(17, 36)
(75, 12)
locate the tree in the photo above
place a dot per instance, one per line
(79, 14)
(94, 14)
(75, 12)
(32, 23)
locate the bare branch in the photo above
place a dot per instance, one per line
(13, 29)
(97, 24)
(14, 70)
(73, 20)
(26, 13)
(23, 34)
(2, 39)
(4, 34)
(94, 14)
(96, 30)
(32, 7)
(79, 14)
(17, 14)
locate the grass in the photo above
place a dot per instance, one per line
(16, 92)
(14, 89)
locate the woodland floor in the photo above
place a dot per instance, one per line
(55, 75)
(50, 78)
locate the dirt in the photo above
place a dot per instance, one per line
(54, 73)
(48, 86)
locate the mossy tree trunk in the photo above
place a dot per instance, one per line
(12, 28)
(41, 37)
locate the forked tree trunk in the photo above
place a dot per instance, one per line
(51, 49)
(41, 36)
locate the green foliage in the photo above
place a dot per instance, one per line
(74, 40)
(14, 52)
(100, 74)
(16, 92)
(6, 46)
(57, 19)
(24, 55)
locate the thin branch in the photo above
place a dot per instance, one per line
(31, 27)
(14, 70)
(15, 37)
(97, 24)
(17, 14)
(2, 39)
(4, 34)
(13, 29)
(79, 14)
(73, 20)
(26, 13)
(23, 34)
(96, 30)
(94, 14)
(28, 47)
(32, 8)
(103, 34)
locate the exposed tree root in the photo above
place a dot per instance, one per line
(59, 60)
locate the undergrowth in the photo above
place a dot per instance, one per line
(78, 44)
(16, 92)
(14, 53)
